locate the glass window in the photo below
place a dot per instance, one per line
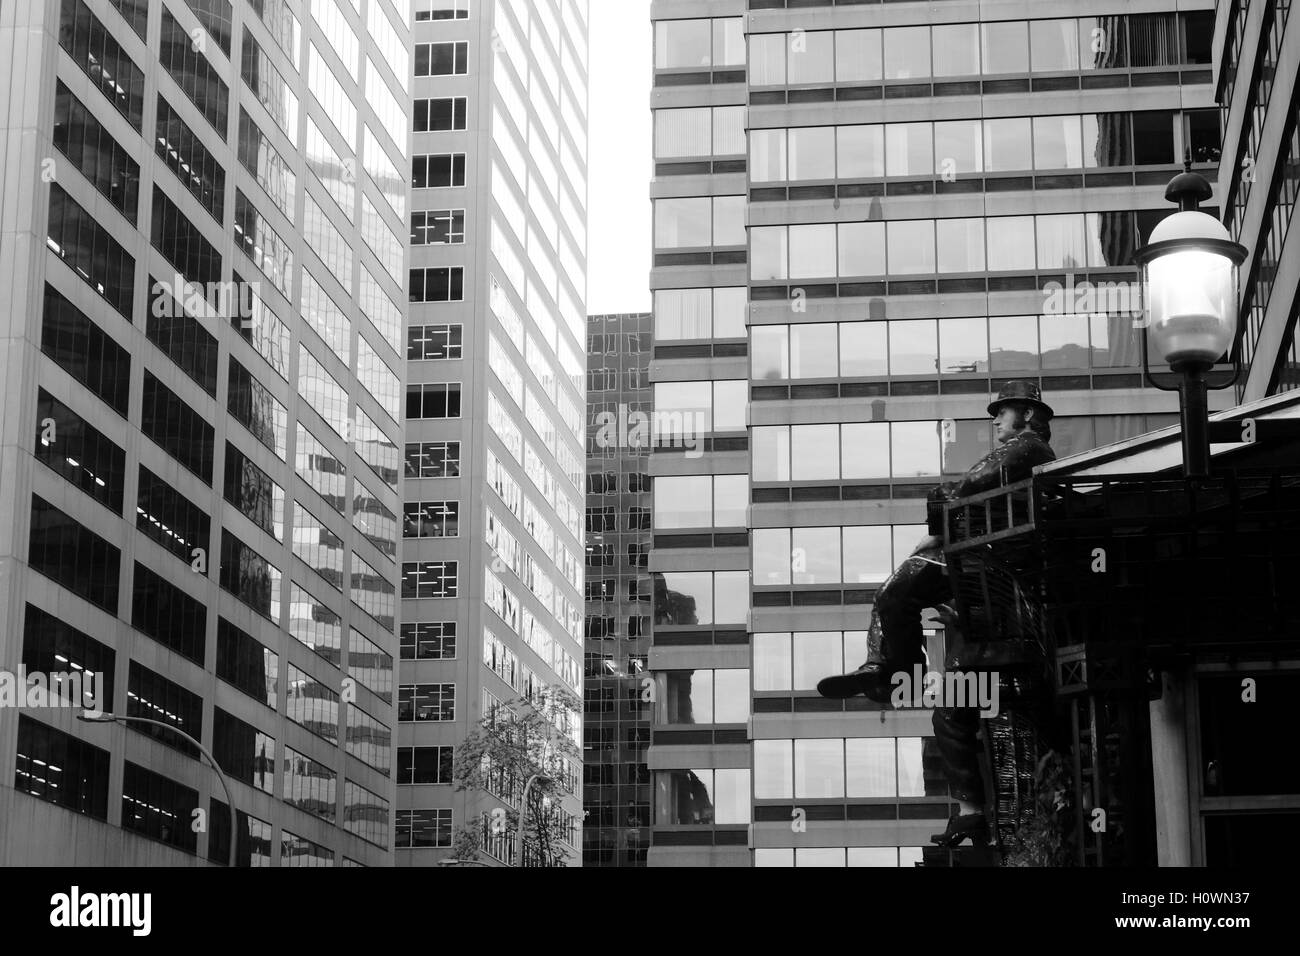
(965, 443)
(683, 597)
(858, 56)
(861, 248)
(815, 452)
(864, 349)
(1005, 47)
(767, 252)
(860, 151)
(771, 556)
(1010, 243)
(813, 350)
(773, 769)
(729, 220)
(766, 155)
(683, 44)
(730, 500)
(688, 406)
(909, 149)
(1007, 145)
(911, 247)
(915, 449)
(767, 59)
(682, 223)
(812, 152)
(865, 452)
(684, 132)
(1054, 45)
(811, 59)
(1057, 142)
(816, 654)
(1153, 138)
(963, 345)
(731, 597)
(731, 697)
(770, 452)
(689, 697)
(913, 348)
(961, 245)
(769, 352)
(812, 251)
(1013, 343)
(772, 661)
(959, 147)
(956, 49)
(1064, 341)
(1106, 140)
(1103, 42)
(872, 772)
(867, 557)
(815, 553)
(819, 768)
(683, 502)
(907, 53)
(1061, 242)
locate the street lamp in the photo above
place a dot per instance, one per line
(87, 717)
(523, 810)
(1190, 270)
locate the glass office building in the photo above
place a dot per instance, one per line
(492, 526)
(204, 259)
(1256, 60)
(867, 218)
(620, 696)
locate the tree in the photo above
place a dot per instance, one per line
(512, 744)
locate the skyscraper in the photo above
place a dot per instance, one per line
(925, 204)
(1255, 76)
(620, 695)
(492, 567)
(203, 341)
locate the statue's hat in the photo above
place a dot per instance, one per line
(1024, 391)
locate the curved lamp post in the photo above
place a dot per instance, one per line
(121, 719)
(1190, 270)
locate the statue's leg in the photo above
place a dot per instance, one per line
(917, 584)
(955, 731)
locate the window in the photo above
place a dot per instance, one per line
(254, 493)
(154, 697)
(312, 705)
(439, 284)
(159, 807)
(440, 400)
(262, 244)
(438, 170)
(75, 449)
(52, 646)
(253, 406)
(299, 851)
(60, 769)
(703, 797)
(440, 114)
(168, 517)
(433, 459)
(243, 751)
(434, 342)
(417, 829)
(181, 337)
(246, 664)
(438, 227)
(431, 519)
(167, 614)
(365, 814)
(424, 764)
(250, 577)
(83, 350)
(95, 153)
(216, 19)
(315, 625)
(90, 251)
(193, 73)
(433, 640)
(426, 702)
(264, 162)
(429, 579)
(309, 786)
(94, 51)
(441, 59)
(442, 10)
(371, 667)
(375, 521)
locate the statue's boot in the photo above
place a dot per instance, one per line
(874, 679)
(963, 825)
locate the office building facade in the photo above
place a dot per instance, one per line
(619, 692)
(203, 376)
(867, 218)
(492, 550)
(1255, 63)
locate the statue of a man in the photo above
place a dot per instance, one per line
(895, 641)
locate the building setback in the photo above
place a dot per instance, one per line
(620, 695)
(492, 568)
(204, 204)
(867, 218)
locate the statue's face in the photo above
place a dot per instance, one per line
(1007, 423)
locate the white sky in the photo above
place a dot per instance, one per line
(618, 156)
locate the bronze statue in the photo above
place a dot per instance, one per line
(895, 642)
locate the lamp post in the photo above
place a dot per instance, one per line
(122, 719)
(1190, 271)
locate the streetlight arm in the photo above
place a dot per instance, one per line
(221, 777)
